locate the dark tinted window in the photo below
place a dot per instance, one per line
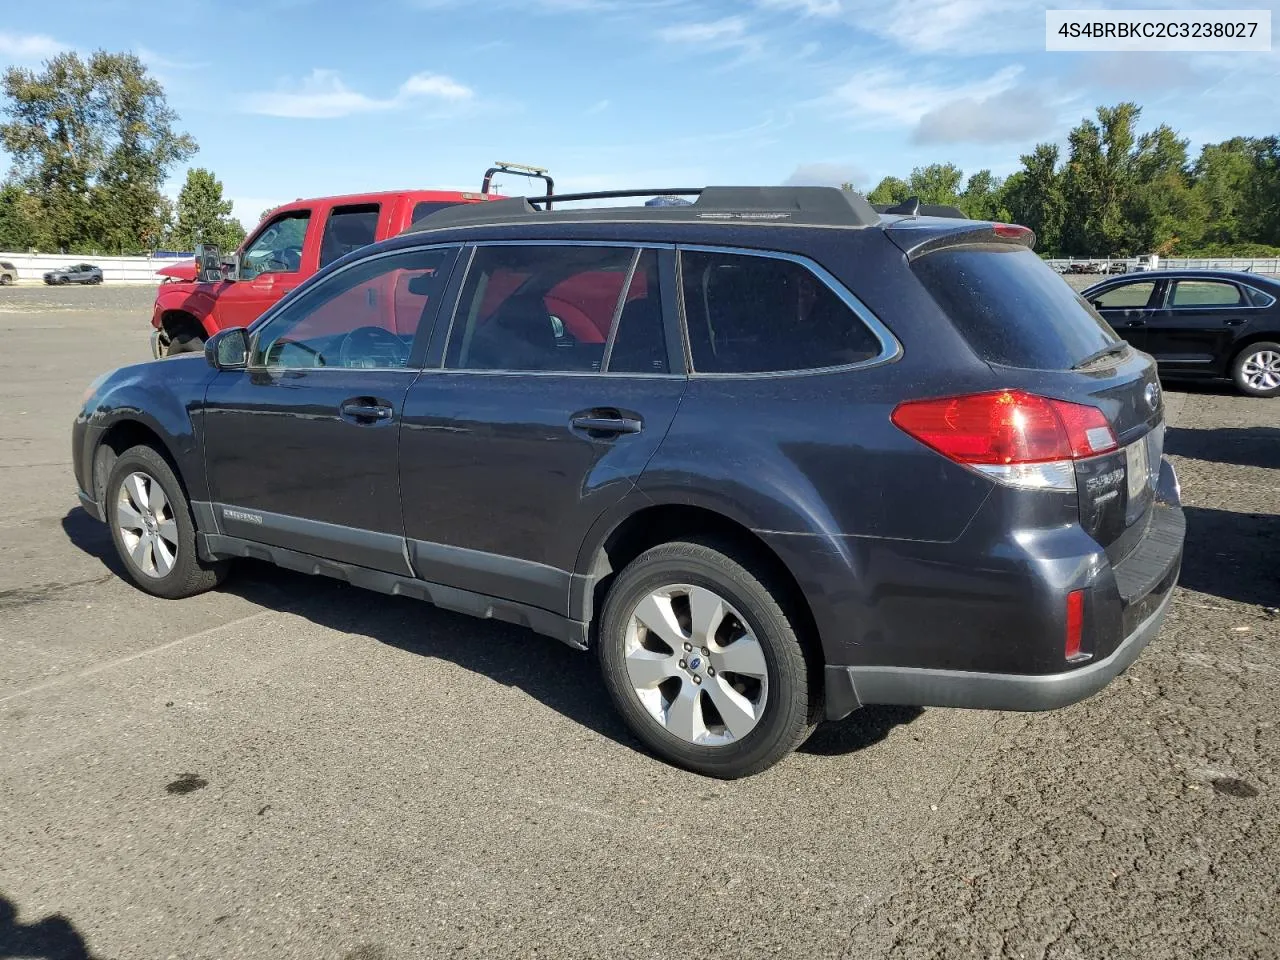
(1204, 293)
(1259, 298)
(364, 316)
(427, 207)
(1126, 296)
(750, 314)
(639, 344)
(537, 308)
(1012, 308)
(347, 229)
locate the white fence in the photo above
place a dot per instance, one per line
(32, 267)
(1269, 265)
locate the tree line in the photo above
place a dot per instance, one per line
(92, 142)
(1118, 193)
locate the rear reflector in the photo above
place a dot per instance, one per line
(1015, 437)
(1075, 623)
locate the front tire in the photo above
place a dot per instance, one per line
(702, 662)
(183, 343)
(1256, 371)
(152, 528)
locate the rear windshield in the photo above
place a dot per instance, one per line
(1012, 308)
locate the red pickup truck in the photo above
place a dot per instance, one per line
(197, 299)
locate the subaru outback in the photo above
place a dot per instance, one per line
(773, 455)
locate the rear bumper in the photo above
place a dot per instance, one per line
(847, 688)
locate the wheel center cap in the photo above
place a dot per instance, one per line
(150, 523)
(695, 663)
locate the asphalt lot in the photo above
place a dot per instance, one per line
(293, 768)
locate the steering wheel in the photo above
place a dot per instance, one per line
(372, 347)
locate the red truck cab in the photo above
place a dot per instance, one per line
(290, 244)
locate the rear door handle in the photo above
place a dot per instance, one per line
(598, 424)
(363, 410)
(1236, 321)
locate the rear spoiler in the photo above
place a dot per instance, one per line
(912, 207)
(919, 237)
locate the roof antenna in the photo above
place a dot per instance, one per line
(909, 207)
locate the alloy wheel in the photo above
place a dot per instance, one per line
(148, 528)
(1261, 370)
(695, 665)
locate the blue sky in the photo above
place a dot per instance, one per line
(294, 98)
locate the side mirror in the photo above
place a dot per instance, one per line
(230, 267)
(228, 349)
(208, 263)
(423, 285)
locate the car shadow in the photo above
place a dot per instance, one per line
(1243, 446)
(52, 938)
(561, 678)
(1235, 556)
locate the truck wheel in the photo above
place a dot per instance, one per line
(702, 661)
(152, 528)
(183, 343)
(1256, 370)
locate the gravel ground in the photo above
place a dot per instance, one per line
(292, 768)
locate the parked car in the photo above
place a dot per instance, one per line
(78, 273)
(292, 243)
(1200, 324)
(8, 273)
(1117, 266)
(773, 455)
(1146, 263)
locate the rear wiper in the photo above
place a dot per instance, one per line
(1107, 351)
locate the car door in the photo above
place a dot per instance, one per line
(1191, 331)
(278, 259)
(301, 447)
(542, 401)
(1127, 307)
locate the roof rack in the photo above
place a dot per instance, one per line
(519, 170)
(801, 206)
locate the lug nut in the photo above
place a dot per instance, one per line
(688, 647)
(706, 652)
(683, 665)
(711, 671)
(697, 679)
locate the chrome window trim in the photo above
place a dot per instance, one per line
(284, 303)
(890, 347)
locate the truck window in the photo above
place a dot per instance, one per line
(347, 229)
(278, 248)
(426, 208)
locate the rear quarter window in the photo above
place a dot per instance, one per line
(1011, 307)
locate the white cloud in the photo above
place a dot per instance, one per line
(961, 27)
(323, 95)
(158, 61)
(716, 33)
(880, 93)
(824, 175)
(810, 8)
(600, 106)
(1019, 114)
(23, 48)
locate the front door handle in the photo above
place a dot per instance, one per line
(1236, 321)
(1137, 323)
(364, 410)
(596, 423)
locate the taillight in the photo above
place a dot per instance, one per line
(1011, 231)
(1012, 436)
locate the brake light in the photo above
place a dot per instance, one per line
(1012, 436)
(1075, 623)
(1011, 231)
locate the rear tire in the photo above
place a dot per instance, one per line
(153, 530)
(5, 279)
(1256, 370)
(713, 612)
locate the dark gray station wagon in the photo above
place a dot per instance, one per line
(774, 455)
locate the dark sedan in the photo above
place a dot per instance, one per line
(1201, 324)
(77, 273)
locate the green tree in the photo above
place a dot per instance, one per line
(1260, 219)
(19, 219)
(982, 198)
(203, 216)
(1033, 197)
(93, 141)
(890, 190)
(1222, 175)
(937, 183)
(1163, 212)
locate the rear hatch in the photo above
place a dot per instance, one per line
(1038, 335)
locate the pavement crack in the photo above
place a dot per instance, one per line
(19, 597)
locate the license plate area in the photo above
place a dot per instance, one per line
(1137, 468)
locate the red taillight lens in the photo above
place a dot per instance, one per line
(1006, 427)
(1011, 231)
(1075, 623)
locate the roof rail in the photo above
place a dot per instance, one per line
(519, 170)
(814, 206)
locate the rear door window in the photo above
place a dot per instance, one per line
(347, 229)
(1128, 296)
(425, 208)
(1011, 307)
(1204, 293)
(755, 314)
